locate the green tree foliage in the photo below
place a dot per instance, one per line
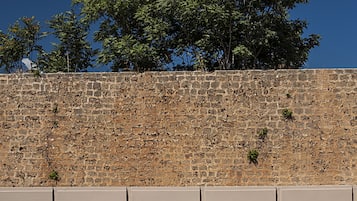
(73, 52)
(215, 34)
(145, 35)
(54, 61)
(123, 35)
(20, 41)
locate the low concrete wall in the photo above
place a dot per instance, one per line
(307, 193)
(239, 193)
(317, 193)
(164, 194)
(26, 194)
(90, 194)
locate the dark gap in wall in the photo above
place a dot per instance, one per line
(201, 194)
(353, 194)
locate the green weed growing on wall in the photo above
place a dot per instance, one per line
(253, 156)
(54, 175)
(287, 113)
(262, 133)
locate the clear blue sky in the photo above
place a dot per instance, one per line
(335, 21)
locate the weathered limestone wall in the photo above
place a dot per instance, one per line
(179, 128)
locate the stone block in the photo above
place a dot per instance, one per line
(315, 193)
(25, 194)
(239, 194)
(164, 194)
(90, 193)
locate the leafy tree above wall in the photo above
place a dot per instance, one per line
(146, 35)
(141, 35)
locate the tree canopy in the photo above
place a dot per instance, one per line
(143, 35)
(20, 41)
(73, 53)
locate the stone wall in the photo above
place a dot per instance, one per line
(179, 128)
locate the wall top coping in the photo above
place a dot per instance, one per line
(90, 188)
(169, 188)
(32, 189)
(183, 73)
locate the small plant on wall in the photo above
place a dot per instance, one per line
(287, 114)
(253, 156)
(55, 108)
(262, 133)
(36, 73)
(54, 175)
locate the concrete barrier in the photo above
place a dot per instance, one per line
(315, 193)
(164, 194)
(239, 194)
(26, 194)
(288, 193)
(90, 194)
